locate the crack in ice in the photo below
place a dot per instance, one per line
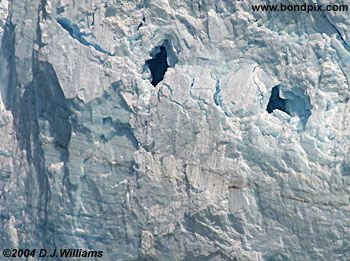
(346, 44)
(74, 32)
(217, 96)
(194, 97)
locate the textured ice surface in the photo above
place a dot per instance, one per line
(93, 156)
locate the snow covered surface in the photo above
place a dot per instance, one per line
(93, 156)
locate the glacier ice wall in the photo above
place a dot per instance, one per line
(93, 156)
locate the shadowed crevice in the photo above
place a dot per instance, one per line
(276, 102)
(74, 32)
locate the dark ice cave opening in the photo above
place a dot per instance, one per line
(276, 102)
(296, 103)
(158, 65)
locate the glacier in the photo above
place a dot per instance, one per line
(236, 147)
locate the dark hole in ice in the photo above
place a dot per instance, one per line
(142, 23)
(296, 103)
(276, 102)
(158, 65)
